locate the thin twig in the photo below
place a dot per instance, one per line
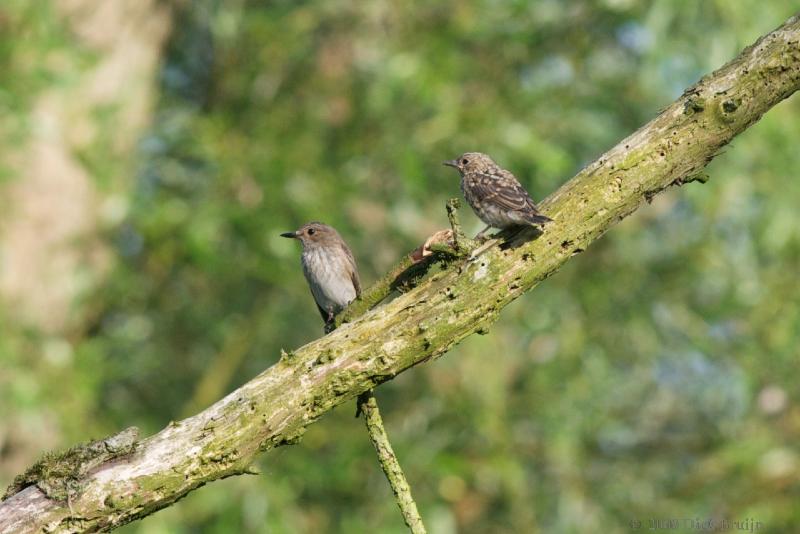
(459, 239)
(391, 467)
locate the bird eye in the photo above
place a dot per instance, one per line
(464, 161)
(310, 231)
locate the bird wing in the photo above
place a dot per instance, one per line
(503, 190)
(353, 269)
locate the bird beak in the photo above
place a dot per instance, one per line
(451, 163)
(290, 235)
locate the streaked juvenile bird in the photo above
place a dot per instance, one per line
(329, 267)
(494, 194)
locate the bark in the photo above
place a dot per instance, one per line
(275, 408)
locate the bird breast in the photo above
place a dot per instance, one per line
(329, 276)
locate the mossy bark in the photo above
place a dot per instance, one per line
(275, 408)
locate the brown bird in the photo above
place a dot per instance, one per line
(494, 194)
(329, 267)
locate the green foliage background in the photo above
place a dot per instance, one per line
(651, 378)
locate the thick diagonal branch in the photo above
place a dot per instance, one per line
(275, 408)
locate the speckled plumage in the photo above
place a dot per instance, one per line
(495, 195)
(329, 267)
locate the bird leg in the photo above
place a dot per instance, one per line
(481, 236)
(330, 324)
(486, 243)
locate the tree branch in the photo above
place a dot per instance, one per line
(391, 467)
(275, 408)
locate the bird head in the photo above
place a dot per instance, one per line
(313, 234)
(473, 162)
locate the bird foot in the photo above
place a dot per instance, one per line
(481, 236)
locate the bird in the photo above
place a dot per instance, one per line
(329, 267)
(494, 194)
